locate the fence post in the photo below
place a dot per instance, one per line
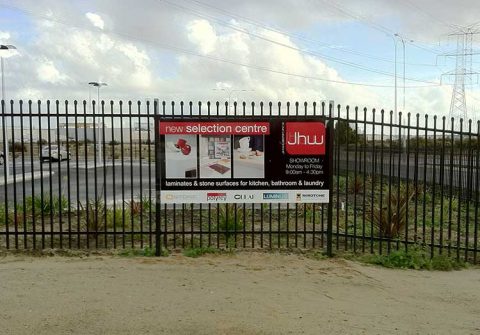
(158, 206)
(330, 138)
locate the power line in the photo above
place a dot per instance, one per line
(185, 51)
(298, 37)
(332, 59)
(357, 17)
(244, 31)
(428, 14)
(372, 24)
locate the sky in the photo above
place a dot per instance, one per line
(252, 50)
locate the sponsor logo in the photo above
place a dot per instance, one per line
(183, 197)
(305, 138)
(310, 196)
(313, 195)
(243, 196)
(275, 196)
(216, 196)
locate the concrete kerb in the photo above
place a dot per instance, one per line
(28, 176)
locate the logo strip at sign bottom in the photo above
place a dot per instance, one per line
(243, 196)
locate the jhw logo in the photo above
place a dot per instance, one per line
(305, 138)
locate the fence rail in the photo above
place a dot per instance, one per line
(395, 184)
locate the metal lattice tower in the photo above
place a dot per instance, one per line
(458, 104)
(463, 71)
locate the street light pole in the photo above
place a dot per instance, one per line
(404, 67)
(395, 71)
(98, 84)
(230, 93)
(230, 96)
(5, 143)
(3, 80)
(89, 99)
(403, 42)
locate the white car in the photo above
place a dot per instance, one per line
(54, 152)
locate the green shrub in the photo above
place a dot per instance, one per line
(115, 217)
(345, 133)
(45, 205)
(416, 258)
(196, 252)
(229, 217)
(93, 209)
(355, 185)
(145, 252)
(340, 182)
(445, 263)
(147, 203)
(3, 215)
(17, 147)
(401, 259)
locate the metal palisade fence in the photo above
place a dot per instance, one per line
(81, 175)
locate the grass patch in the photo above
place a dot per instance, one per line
(416, 258)
(445, 263)
(197, 252)
(317, 255)
(145, 252)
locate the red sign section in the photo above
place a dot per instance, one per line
(305, 138)
(215, 128)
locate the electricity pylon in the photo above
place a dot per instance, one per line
(463, 72)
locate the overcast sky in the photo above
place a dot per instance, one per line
(254, 50)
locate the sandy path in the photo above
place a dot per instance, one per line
(246, 293)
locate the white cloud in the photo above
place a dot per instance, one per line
(267, 85)
(31, 94)
(69, 58)
(96, 20)
(4, 36)
(81, 45)
(77, 52)
(47, 72)
(202, 33)
(141, 75)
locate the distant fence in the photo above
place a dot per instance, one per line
(401, 183)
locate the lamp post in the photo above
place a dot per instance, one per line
(403, 43)
(404, 71)
(98, 84)
(395, 70)
(5, 143)
(230, 93)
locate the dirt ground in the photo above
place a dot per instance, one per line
(244, 293)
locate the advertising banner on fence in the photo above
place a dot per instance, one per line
(269, 160)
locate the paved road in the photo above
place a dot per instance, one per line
(406, 168)
(77, 181)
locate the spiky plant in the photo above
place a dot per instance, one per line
(93, 209)
(390, 219)
(355, 185)
(230, 217)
